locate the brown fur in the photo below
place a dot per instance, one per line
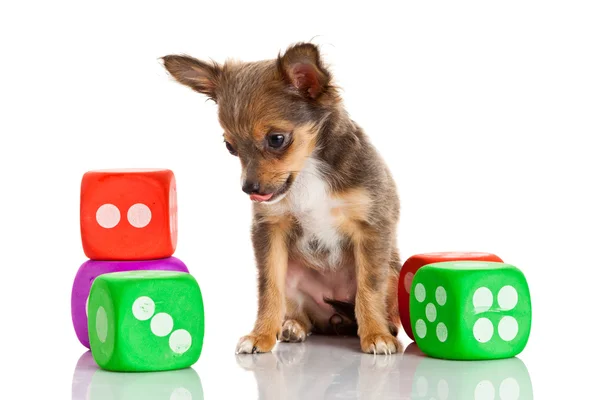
(294, 95)
(272, 258)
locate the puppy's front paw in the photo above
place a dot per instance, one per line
(292, 331)
(255, 343)
(380, 344)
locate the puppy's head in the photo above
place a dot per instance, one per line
(271, 112)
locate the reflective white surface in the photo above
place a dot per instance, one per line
(331, 368)
(322, 368)
(334, 368)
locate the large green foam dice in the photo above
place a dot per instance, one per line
(470, 310)
(145, 320)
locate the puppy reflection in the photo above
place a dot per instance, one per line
(332, 368)
(92, 383)
(327, 368)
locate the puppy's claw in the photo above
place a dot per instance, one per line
(380, 344)
(254, 343)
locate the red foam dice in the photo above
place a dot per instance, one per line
(128, 214)
(412, 265)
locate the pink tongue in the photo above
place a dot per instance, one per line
(261, 197)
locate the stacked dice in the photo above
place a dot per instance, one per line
(464, 305)
(132, 303)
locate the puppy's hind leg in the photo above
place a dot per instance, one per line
(296, 324)
(392, 294)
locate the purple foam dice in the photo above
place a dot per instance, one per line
(90, 269)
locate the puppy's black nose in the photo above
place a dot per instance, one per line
(251, 187)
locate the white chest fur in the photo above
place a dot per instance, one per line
(309, 201)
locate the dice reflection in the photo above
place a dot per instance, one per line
(92, 383)
(506, 379)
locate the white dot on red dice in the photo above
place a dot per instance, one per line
(508, 328)
(509, 389)
(483, 299)
(483, 330)
(484, 391)
(161, 324)
(420, 292)
(180, 341)
(408, 280)
(421, 328)
(139, 215)
(508, 298)
(108, 216)
(173, 209)
(143, 308)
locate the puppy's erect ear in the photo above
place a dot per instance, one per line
(199, 75)
(302, 68)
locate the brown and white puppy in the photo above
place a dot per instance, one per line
(325, 208)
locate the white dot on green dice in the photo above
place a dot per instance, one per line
(161, 324)
(508, 328)
(180, 341)
(421, 328)
(482, 299)
(440, 296)
(441, 332)
(483, 330)
(508, 298)
(101, 324)
(143, 308)
(431, 312)
(420, 292)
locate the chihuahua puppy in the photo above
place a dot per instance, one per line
(325, 205)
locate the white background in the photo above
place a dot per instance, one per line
(487, 113)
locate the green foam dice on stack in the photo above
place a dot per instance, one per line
(145, 320)
(470, 310)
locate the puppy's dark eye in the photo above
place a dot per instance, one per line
(230, 148)
(276, 140)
